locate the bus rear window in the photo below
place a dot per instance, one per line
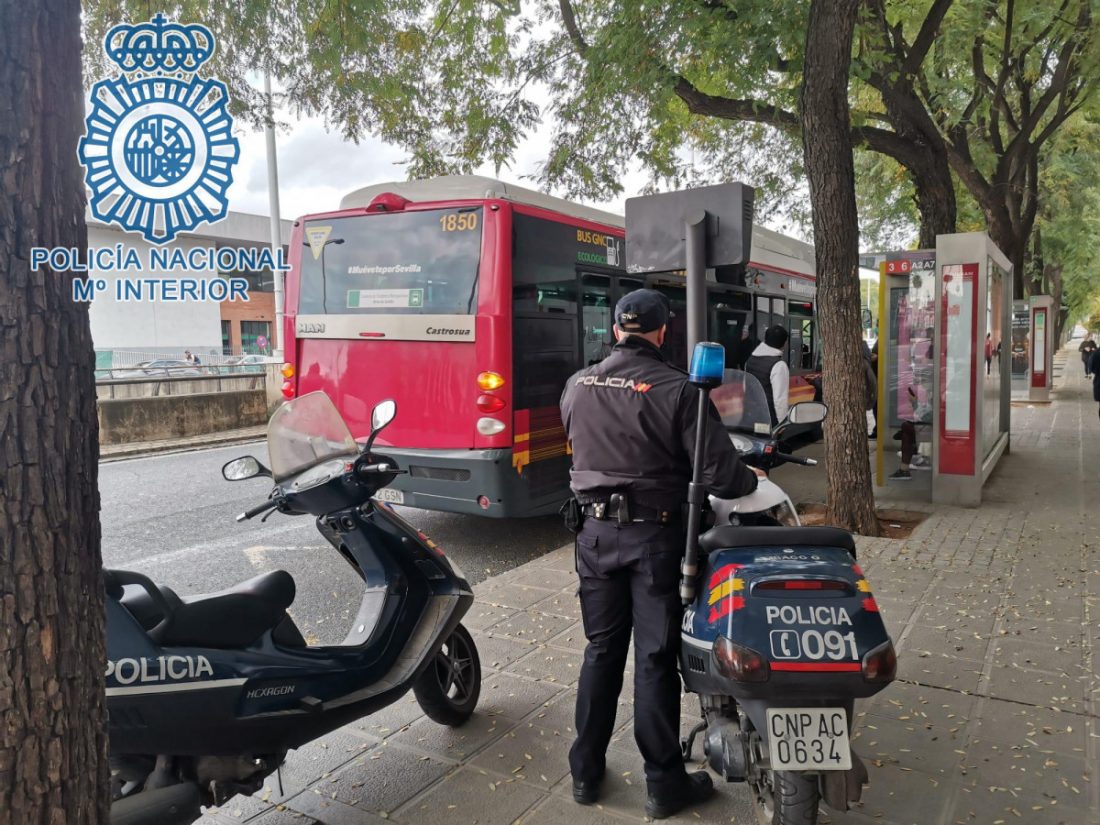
(402, 263)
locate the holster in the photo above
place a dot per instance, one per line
(572, 514)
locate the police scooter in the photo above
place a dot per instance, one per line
(207, 694)
(781, 634)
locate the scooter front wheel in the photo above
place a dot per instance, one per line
(786, 798)
(448, 689)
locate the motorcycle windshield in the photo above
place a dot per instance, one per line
(304, 432)
(741, 403)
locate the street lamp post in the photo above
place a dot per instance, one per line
(276, 222)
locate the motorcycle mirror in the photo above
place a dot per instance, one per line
(242, 468)
(384, 412)
(808, 412)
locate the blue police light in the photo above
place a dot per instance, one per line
(707, 363)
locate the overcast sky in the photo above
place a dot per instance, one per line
(317, 168)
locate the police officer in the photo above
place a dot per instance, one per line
(631, 422)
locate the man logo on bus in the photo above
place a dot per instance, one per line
(159, 151)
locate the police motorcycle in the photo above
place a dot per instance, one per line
(781, 634)
(206, 694)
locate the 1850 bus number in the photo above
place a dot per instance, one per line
(458, 222)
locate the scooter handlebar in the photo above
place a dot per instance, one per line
(793, 459)
(270, 504)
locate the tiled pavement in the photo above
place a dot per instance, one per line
(993, 720)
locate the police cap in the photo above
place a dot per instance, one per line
(643, 310)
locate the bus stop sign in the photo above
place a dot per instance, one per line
(656, 235)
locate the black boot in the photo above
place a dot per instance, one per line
(699, 789)
(586, 792)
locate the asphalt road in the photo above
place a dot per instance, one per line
(172, 518)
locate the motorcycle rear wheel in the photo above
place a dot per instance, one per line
(448, 689)
(786, 798)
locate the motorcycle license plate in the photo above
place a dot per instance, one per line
(391, 495)
(809, 739)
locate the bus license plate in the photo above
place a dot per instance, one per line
(391, 495)
(809, 739)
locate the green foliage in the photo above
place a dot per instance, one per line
(692, 91)
(1069, 221)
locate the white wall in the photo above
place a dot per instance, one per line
(148, 325)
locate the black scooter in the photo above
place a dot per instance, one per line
(780, 635)
(207, 694)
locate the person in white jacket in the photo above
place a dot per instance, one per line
(768, 365)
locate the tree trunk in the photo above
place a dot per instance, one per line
(827, 144)
(1007, 238)
(53, 747)
(923, 153)
(931, 176)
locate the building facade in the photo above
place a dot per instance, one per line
(127, 332)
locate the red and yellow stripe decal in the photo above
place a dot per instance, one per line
(726, 591)
(538, 435)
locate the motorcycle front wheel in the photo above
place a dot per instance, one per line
(786, 798)
(448, 689)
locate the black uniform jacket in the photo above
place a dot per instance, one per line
(631, 421)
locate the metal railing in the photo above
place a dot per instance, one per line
(145, 382)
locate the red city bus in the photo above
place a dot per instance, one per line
(470, 302)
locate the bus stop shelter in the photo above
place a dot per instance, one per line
(944, 367)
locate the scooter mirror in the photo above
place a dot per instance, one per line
(245, 467)
(808, 412)
(384, 412)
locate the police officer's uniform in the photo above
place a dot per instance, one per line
(631, 421)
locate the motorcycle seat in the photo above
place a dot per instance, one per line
(728, 536)
(235, 617)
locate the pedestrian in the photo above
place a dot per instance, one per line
(769, 366)
(1094, 369)
(631, 421)
(188, 357)
(870, 378)
(921, 413)
(1087, 348)
(988, 352)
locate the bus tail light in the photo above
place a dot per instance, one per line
(490, 381)
(288, 389)
(287, 371)
(490, 403)
(490, 426)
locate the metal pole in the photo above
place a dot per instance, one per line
(276, 223)
(697, 496)
(695, 240)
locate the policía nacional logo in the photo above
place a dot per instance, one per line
(159, 149)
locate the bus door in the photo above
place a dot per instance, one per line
(599, 294)
(729, 320)
(801, 318)
(675, 348)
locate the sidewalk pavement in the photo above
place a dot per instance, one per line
(993, 719)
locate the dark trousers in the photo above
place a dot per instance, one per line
(908, 441)
(630, 578)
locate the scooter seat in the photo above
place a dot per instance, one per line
(234, 617)
(728, 536)
(230, 618)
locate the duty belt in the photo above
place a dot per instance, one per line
(620, 508)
